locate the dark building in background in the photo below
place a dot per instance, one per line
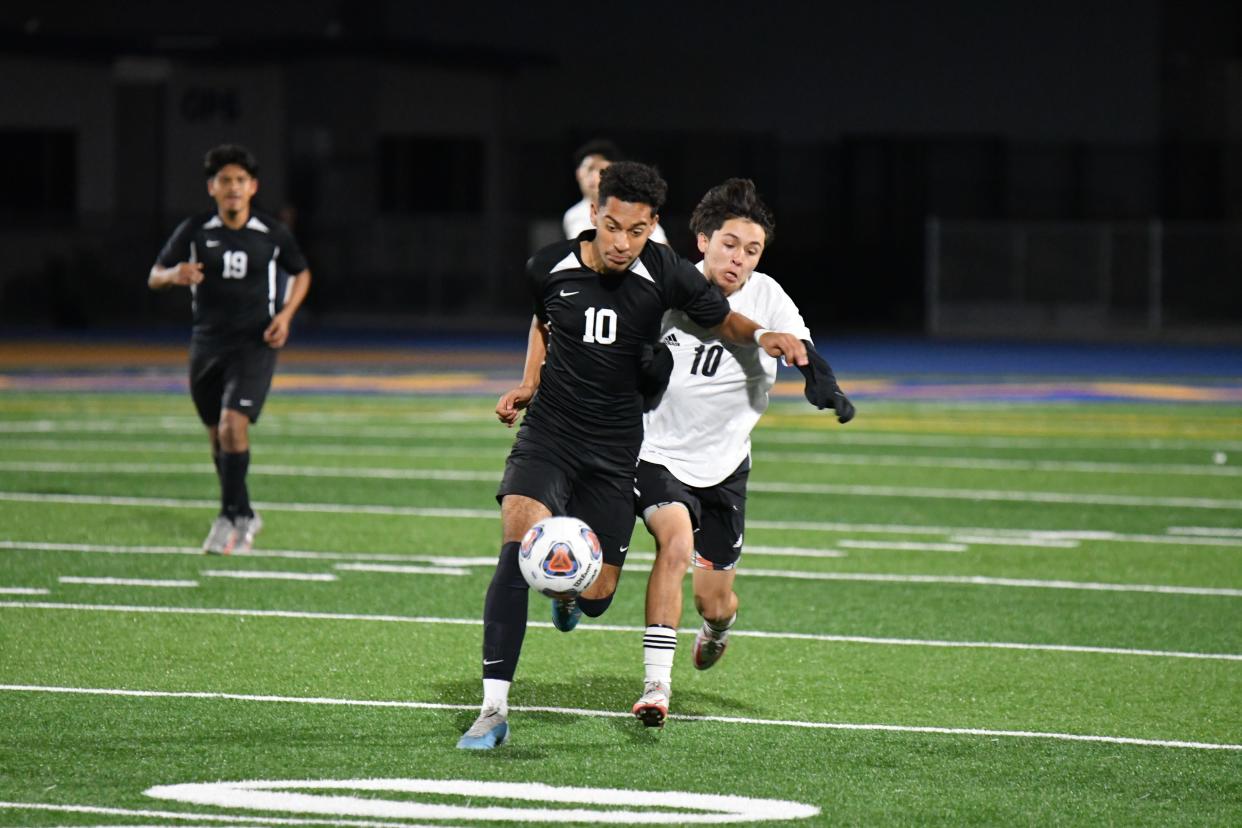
(1027, 168)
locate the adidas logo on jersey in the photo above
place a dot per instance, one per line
(671, 339)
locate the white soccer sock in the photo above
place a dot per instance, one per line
(714, 630)
(659, 647)
(496, 694)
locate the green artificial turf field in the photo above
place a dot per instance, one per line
(974, 613)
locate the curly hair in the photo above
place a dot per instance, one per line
(633, 183)
(735, 198)
(217, 158)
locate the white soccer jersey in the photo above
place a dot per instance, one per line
(578, 218)
(700, 431)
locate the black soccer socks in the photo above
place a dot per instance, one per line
(504, 616)
(234, 497)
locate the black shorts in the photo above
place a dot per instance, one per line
(592, 483)
(717, 512)
(237, 377)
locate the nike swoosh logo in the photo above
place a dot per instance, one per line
(487, 663)
(624, 548)
(570, 292)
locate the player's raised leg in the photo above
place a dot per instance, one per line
(717, 604)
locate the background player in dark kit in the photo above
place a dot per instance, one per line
(229, 260)
(599, 300)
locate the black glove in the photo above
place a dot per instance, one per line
(655, 366)
(821, 389)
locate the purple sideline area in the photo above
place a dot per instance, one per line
(868, 367)
(927, 357)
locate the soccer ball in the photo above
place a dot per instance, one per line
(560, 557)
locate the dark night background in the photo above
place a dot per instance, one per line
(1035, 169)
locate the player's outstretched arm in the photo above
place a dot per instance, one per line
(277, 333)
(742, 330)
(514, 400)
(821, 389)
(183, 273)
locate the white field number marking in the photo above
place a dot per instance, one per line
(641, 807)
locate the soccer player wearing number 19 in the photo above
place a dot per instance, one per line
(695, 458)
(228, 258)
(598, 301)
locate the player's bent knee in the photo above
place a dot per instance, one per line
(676, 553)
(605, 584)
(716, 606)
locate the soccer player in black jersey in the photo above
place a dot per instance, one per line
(228, 258)
(599, 300)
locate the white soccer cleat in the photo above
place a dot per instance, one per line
(246, 528)
(709, 646)
(490, 730)
(222, 537)
(652, 707)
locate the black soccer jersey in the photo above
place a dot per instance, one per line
(598, 324)
(237, 297)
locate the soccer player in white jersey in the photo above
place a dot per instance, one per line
(695, 457)
(591, 159)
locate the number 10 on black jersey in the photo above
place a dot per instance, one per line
(601, 326)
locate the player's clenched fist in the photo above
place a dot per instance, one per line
(188, 273)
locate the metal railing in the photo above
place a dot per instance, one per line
(1098, 278)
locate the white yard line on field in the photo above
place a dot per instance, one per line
(194, 448)
(24, 591)
(450, 565)
(206, 468)
(189, 426)
(993, 534)
(140, 582)
(902, 546)
(1207, 467)
(1206, 531)
(263, 574)
(980, 580)
(764, 435)
(611, 628)
(819, 437)
(1010, 495)
(572, 711)
(398, 569)
(849, 490)
(322, 508)
(296, 554)
(490, 514)
(1001, 540)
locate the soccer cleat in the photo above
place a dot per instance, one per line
(652, 708)
(489, 731)
(708, 648)
(221, 538)
(247, 528)
(565, 614)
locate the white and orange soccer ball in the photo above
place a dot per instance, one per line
(560, 557)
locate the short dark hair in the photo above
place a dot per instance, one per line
(633, 183)
(598, 146)
(735, 198)
(217, 158)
